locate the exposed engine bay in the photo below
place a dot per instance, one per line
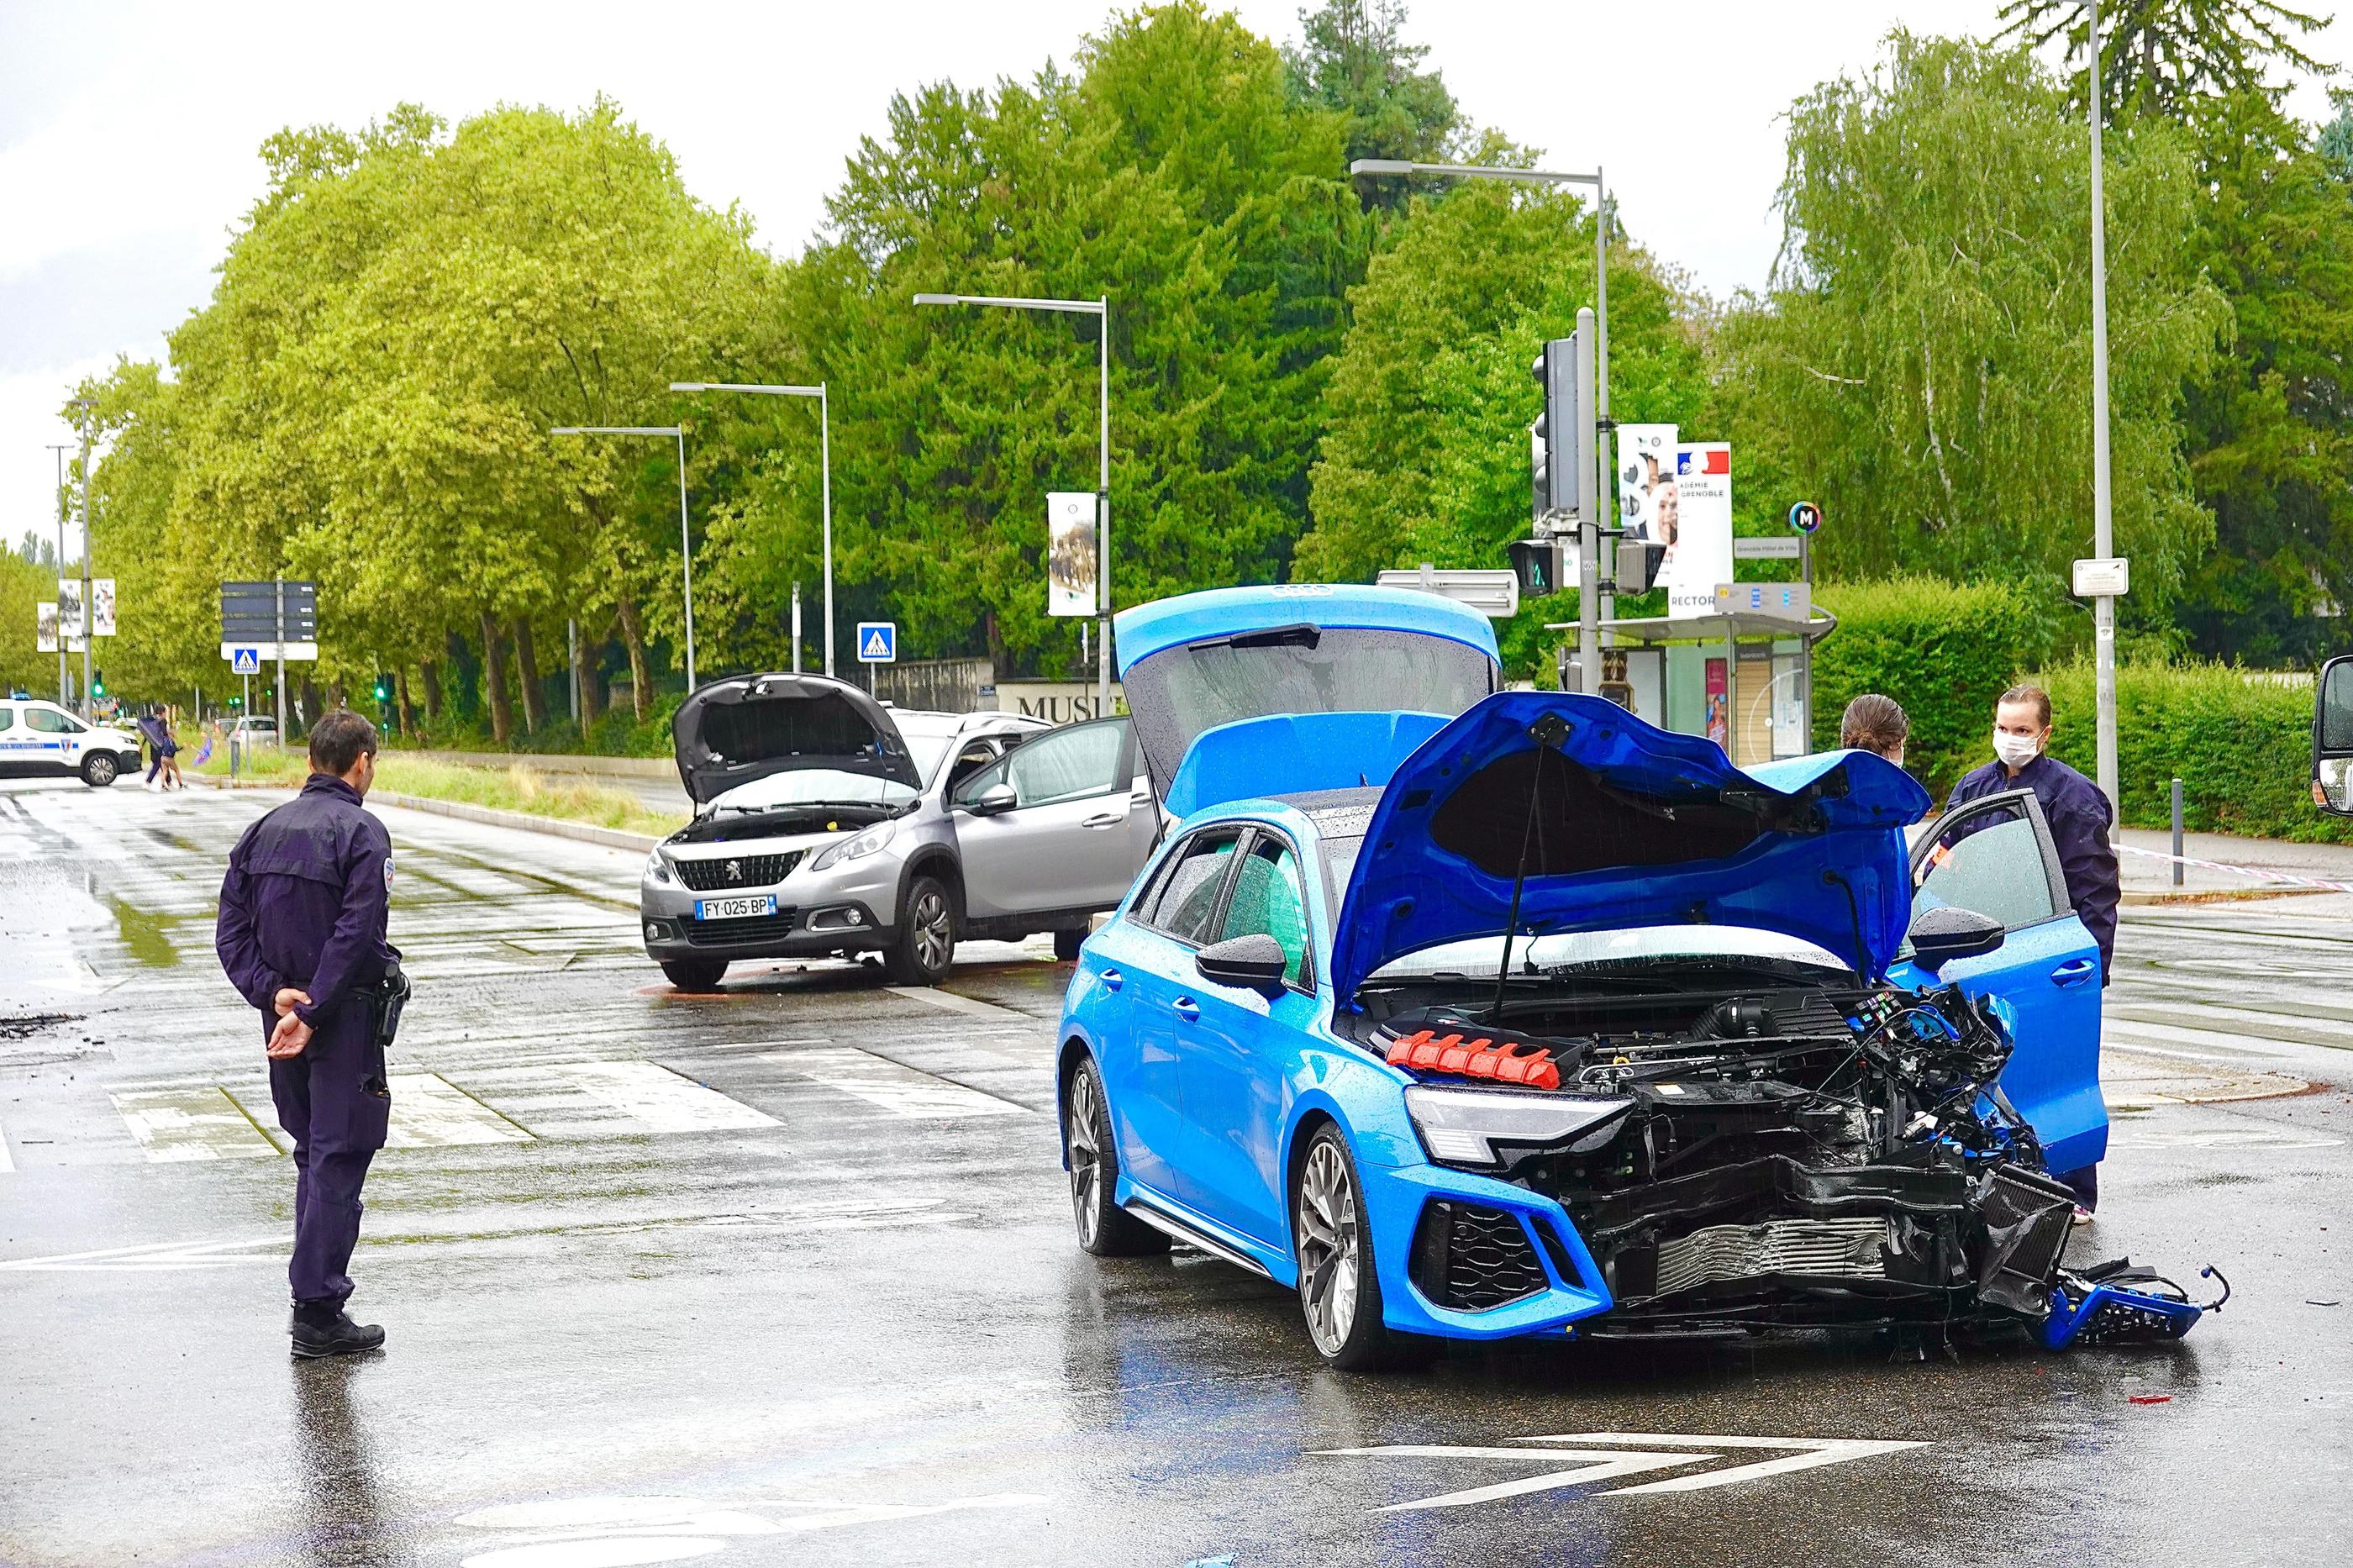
(1748, 1145)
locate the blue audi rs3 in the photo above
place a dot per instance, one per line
(1474, 1014)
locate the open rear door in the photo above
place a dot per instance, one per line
(1996, 857)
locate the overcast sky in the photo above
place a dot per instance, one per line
(127, 133)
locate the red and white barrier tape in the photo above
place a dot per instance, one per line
(2280, 878)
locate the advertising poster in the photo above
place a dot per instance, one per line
(1694, 519)
(1646, 472)
(1070, 553)
(101, 606)
(1719, 704)
(45, 627)
(70, 608)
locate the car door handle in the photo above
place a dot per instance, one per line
(1189, 1009)
(2074, 973)
(1112, 979)
(1104, 819)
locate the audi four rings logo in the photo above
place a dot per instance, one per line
(734, 870)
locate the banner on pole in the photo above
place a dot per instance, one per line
(101, 606)
(1695, 516)
(1070, 553)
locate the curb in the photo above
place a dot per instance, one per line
(581, 832)
(2218, 896)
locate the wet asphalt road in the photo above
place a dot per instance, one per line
(787, 1276)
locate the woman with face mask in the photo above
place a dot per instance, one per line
(2080, 823)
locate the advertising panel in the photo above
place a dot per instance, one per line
(1070, 553)
(45, 626)
(1694, 517)
(1646, 460)
(101, 606)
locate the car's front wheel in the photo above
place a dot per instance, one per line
(924, 947)
(1066, 944)
(1105, 1230)
(695, 973)
(1339, 1291)
(99, 769)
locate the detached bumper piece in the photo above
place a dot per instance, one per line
(2116, 1303)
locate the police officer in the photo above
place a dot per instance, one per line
(2080, 821)
(301, 935)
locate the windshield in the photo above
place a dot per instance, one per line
(927, 751)
(1479, 954)
(1178, 692)
(809, 786)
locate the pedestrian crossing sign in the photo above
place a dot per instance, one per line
(244, 661)
(877, 642)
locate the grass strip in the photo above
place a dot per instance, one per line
(500, 789)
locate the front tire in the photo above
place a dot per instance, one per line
(695, 973)
(1105, 1230)
(99, 770)
(923, 947)
(1339, 1289)
(1066, 945)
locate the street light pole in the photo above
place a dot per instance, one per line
(825, 464)
(2104, 606)
(685, 554)
(65, 680)
(1591, 607)
(89, 620)
(1099, 307)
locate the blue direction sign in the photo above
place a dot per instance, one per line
(877, 642)
(244, 661)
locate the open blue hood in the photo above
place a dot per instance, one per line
(1634, 826)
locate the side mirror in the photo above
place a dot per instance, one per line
(2332, 737)
(1254, 962)
(1943, 935)
(995, 798)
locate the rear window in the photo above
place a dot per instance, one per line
(1181, 692)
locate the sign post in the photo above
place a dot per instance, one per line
(878, 643)
(276, 619)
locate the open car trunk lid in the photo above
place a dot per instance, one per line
(752, 726)
(1633, 827)
(1200, 661)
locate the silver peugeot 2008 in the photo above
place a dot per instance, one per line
(828, 823)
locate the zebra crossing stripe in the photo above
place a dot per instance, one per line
(174, 1125)
(900, 1091)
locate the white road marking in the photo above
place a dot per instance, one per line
(1815, 1452)
(610, 1531)
(2218, 1138)
(5, 1165)
(650, 1093)
(956, 1004)
(1592, 1465)
(429, 1113)
(154, 1257)
(175, 1124)
(899, 1090)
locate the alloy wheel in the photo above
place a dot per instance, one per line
(933, 939)
(1329, 1246)
(1086, 1155)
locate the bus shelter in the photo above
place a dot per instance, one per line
(1742, 679)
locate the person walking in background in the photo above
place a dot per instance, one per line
(160, 745)
(2080, 822)
(302, 934)
(1875, 724)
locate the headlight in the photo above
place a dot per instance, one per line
(858, 847)
(656, 866)
(1471, 1126)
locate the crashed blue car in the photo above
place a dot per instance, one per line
(1474, 1014)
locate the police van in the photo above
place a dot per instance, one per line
(41, 740)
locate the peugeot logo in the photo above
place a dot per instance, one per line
(734, 870)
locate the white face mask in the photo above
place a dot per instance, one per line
(2015, 751)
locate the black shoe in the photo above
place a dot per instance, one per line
(317, 1335)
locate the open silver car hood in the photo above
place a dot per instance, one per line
(752, 726)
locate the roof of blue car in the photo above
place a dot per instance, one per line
(1147, 629)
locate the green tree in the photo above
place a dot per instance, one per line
(2164, 56)
(1352, 58)
(1922, 363)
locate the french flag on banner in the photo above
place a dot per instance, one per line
(1716, 460)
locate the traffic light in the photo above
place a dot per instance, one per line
(1553, 446)
(98, 685)
(1540, 564)
(383, 689)
(1637, 565)
(236, 701)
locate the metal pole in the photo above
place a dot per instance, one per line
(1806, 643)
(65, 680)
(2177, 833)
(572, 653)
(1102, 520)
(281, 657)
(89, 620)
(686, 559)
(796, 628)
(2103, 607)
(1605, 496)
(1588, 520)
(825, 462)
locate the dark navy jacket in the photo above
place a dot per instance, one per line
(305, 901)
(2080, 819)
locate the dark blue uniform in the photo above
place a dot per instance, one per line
(305, 904)
(2080, 820)
(2080, 823)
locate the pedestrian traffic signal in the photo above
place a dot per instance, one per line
(98, 684)
(383, 689)
(1540, 564)
(1559, 485)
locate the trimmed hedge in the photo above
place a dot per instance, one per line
(1944, 651)
(2240, 744)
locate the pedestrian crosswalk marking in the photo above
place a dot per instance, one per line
(650, 1093)
(4, 1164)
(901, 1091)
(429, 1113)
(603, 1100)
(177, 1124)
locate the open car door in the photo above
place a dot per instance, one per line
(1996, 857)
